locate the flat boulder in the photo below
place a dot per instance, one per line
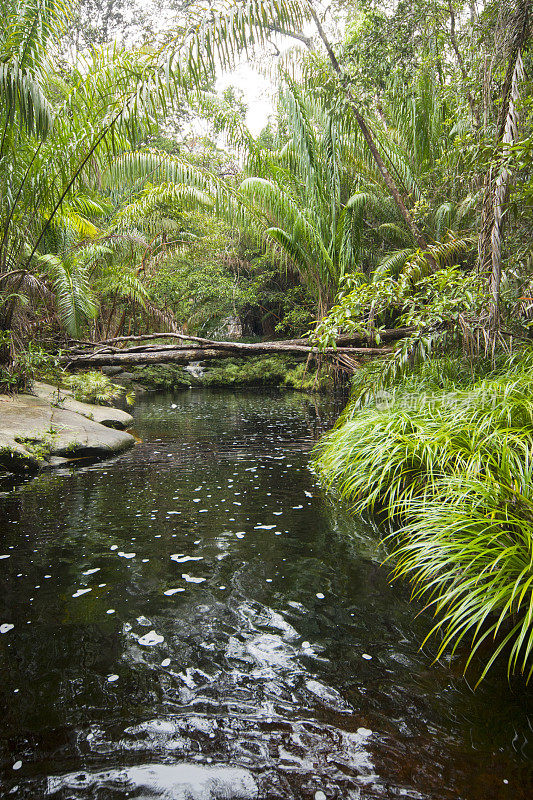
(110, 417)
(33, 432)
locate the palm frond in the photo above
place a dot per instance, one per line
(71, 287)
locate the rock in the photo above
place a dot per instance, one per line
(164, 781)
(32, 431)
(139, 389)
(230, 327)
(14, 457)
(123, 378)
(110, 417)
(195, 368)
(110, 371)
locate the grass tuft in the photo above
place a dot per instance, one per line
(452, 467)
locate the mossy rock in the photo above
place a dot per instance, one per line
(15, 458)
(32, 430)
(304, 379)
(245, 372)
(38, 448)
(162, 377)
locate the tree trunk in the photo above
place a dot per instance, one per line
(500, 194)
(399, 199)
(495, 193)
(205, 350)
(386, 336)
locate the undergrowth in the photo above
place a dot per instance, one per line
(451, 467)
(92, 387)
(268, 371)
(162, 377)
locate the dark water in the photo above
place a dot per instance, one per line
(195, 620)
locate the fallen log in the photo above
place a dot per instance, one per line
(180, 355)
(387, 335)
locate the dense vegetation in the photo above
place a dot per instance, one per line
(391, 191)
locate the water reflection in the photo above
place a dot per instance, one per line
(194, 619)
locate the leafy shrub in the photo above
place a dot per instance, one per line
(280, 371)
(93, 387)
(455, 468)
(307, 380)
(19, 372)
(269, 371)
(468, 550)
(434, 375)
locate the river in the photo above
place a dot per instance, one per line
(196, 620)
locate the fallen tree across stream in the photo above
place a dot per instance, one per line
(112, 352)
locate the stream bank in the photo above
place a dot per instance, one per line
(274, 372)
(50, 427)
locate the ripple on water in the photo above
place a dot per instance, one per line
(171, 782)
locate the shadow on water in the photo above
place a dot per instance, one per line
(195, 620)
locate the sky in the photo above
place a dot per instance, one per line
(257, 88)
(258, 93)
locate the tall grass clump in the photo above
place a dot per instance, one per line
(452, 471)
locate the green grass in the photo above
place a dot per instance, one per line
(469, 553)
(451, 467)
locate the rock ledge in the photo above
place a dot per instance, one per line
(35, 433)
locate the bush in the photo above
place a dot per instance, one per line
(162, 377)
(468, 550)
(454, 469)
(303, 378)
(277, 371)
(21, 369)
(268, 371)
(93, 387)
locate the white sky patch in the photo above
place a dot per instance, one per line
(258, 94)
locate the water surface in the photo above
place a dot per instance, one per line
(196, 620)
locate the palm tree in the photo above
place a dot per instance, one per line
(59, 132)
(308, 199)
(67, 129)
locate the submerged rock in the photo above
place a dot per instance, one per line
(164, 781)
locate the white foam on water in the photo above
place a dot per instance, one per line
(6, 627)
(150, 639)
(191, 578)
